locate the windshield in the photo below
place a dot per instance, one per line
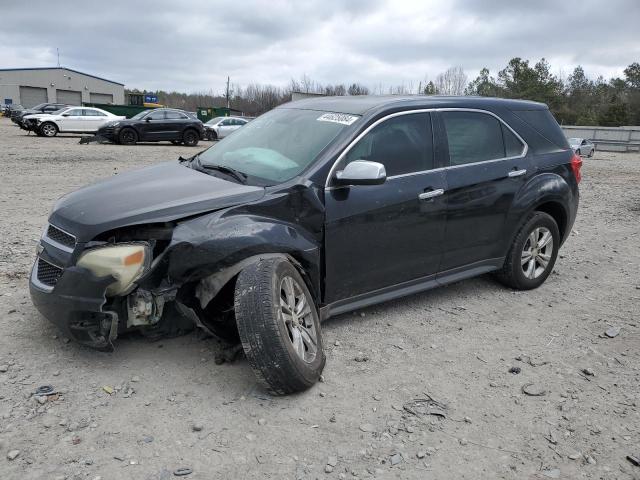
(278, 145)
(140, 115)
(215, 120)
(39, 106)
(59, 112)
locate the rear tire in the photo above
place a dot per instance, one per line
(128, 136)
(49, 129)
(532, 254)
(190, 138)
(279, 326)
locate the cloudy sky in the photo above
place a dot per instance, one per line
(193, 45)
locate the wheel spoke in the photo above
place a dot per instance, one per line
(308, 339)
(526, 256)
(543, 260)
(544, 241)
(533, 238)
(531, 268)
(289, 292)
(298, 343)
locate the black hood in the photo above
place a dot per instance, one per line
(161, 193)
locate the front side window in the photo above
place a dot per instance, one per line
(278, 145)
(76, 112)
(403, 144)
(158, 115)
(477, 137)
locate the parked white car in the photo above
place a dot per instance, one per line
(220, 127)
(582, 146)
(69, 119)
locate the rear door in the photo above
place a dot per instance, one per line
(176, 122)
(488, 164)
(379, 236)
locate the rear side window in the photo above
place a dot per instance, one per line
(542, 121)
(403, 144)
(477, 137)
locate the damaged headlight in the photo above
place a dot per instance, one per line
(126, 263)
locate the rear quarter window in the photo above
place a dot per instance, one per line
(542, 121)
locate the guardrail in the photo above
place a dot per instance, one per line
(607, 139)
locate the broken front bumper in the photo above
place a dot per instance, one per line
(75, 304)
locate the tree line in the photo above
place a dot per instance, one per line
(574, 100)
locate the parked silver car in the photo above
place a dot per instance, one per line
(582, 146)
(220, 127)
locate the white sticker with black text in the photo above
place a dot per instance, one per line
(342, 118)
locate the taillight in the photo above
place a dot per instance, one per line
(576, 165)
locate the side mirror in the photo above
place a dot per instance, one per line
(362, 172)
(66, 115)
(147, 119)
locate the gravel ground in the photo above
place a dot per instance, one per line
(171, 406)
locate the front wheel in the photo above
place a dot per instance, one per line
(279, 326)
(593, 150)
(128, 136)
(532, 254)
(49, 129)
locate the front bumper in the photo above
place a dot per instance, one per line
(75, 304)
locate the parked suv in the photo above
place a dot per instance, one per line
(17, 116)
(314, 209)
(157, 125)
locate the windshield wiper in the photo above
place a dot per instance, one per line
(232, 172)
(196, 164)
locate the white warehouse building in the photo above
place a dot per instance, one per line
(30, 86)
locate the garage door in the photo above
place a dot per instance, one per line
(32, 96)
(69, 97)
(101, 97)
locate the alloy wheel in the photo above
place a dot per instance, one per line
(295, 312)
(48, 130)
(537, 252)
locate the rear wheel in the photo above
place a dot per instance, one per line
(190, 138)
(279, 326)
(49, 129)
(128, 136)
(532, 254)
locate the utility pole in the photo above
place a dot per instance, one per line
(58, 52)
(228, 98)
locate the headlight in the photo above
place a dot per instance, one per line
(125, 263)
(113, 124)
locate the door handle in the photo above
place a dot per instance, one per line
(431, 194)
(517, 173)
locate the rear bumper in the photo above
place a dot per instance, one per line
(75, 305)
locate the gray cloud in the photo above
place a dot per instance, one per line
(193, 46)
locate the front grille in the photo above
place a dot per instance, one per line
(48, 274)
(61, 237)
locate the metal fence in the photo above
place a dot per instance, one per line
(608, 139)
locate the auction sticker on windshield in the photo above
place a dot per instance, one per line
(337, 118)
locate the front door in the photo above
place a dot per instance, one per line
(71, 120)
(488, 165)
(154, 126)
(379, 236)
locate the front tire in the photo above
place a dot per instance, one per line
(591, 153)
(532, 254)
(190, 138)
(128, 136)
(279, 326)
(49, 129)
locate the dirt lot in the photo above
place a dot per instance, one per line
(455, 344)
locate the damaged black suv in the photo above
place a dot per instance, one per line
(316, 208)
